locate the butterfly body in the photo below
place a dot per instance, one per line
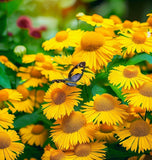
(72, 76)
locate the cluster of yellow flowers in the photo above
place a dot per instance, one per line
(82, 129)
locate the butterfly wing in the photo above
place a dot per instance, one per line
(58, 80)
(76, 72)
(74, 75)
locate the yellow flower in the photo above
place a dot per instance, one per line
(133, 158)
(127, 76)
(63, 39)
(4, 60)
(137, 137)
(26, 104)
(37, 97)
(94, 50)
(34, 134)
(31, 76)
(49, 70)
(145, 157)
(148, 24)
(71, 130)
(10, 148)
(106, 109)
(53, 154)
(141, 96)
(60, 100)
(97, 20)
(39, 57)
(116, 19)
(9, 95)
(106, 132)
(135, 42)
(88, 151)
(88, 74)
(6, 119)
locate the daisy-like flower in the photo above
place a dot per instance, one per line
(94, 50)
(26, 104)
(63, 39)
(148, 23)
(107, 32)
(31, 76)
(97, 20)
(137, 137)
(53, 154)
(9, 95)
(116, 19)
(104, 108)
(127, 76)
(50, 70)
(88, 74)
(141, 96)
(145, 157)
(34, 134)
(60, 100)
(37, 96)
(88, 151)
(4, 60)
(135, 42)
(135, 111)
(39, 57)
(10, 148)
(6, 119)
(106, 132)
(71, 130)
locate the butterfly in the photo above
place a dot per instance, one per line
(73, 77)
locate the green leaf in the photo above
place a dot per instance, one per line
(117, 92)
(4, 80)
(26, 119)
(98, 90)
(139, 58)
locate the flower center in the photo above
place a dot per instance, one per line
(5, 140)
(139, 128)
(40, 57)
(3, 95)
(92, 41)
(61, 36)
(97, 18)
(35, 73)
(131, 71)
(106, 128)
(56, 155)
(139, 37)
(47, 66)
(37, 129)
(82, 150)
(4, 58)
(58, 96)
(39, 96)
(116, 19)
(146, 89)
(127, 24)
(104, 102)
(25, 93)
(149, 20)
(73, 122)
